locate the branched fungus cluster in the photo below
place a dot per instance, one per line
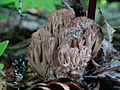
(65, 46)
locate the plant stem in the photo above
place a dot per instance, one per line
(92, 9)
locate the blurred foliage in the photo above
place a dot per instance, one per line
(2, 16)
(111, 13)
(102, 3)
(48, 5)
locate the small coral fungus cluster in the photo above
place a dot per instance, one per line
(65, 46)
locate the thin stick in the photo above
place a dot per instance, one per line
(118, 28)
(20, 7)
(106, 70)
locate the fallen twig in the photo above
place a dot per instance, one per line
(106, 70)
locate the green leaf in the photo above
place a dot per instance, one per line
(35, 4)
(3, 46)
(6, 2)
(16, 3)
(102, 3)
(58, 2)
(49, 6)
(1, 66)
